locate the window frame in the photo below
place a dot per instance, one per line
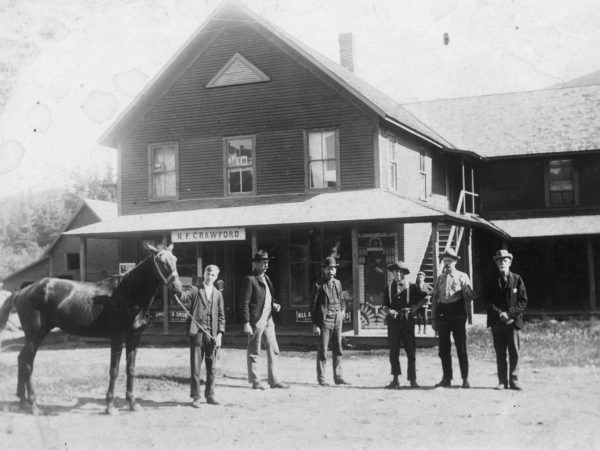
(226, 166)
(425, 174)
(392, 158)
(575, 181)
(151, 194)
(67, 266)
(307, 161)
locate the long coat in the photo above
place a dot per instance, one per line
(197, 302)
(512, 299)
(321, 301)
(252, 297)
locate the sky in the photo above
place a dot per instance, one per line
(69, 67)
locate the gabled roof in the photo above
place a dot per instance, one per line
(325, 208)
(102, 209)
(228, 12)
(522, 123)
(42, 259)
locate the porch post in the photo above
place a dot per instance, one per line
(470, 267)
(591, 275)
(355, 283)
(165, 296)
(82, 258)
(436, 249)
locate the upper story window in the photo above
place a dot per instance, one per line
(240, 165)
(561, 185)
(72, 261)
(393, 165)
(424, 174)
(323, 159)
(164, 159)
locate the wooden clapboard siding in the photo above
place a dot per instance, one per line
(510, 187)
(416, 241)
(277, 112)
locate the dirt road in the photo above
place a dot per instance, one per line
(559, 408)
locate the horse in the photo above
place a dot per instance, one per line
(91, 310)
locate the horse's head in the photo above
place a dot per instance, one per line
(165, 263)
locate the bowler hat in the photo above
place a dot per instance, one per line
(261, 255)
(399, 265)
(450, 253)
(501, 254)
(330, 262)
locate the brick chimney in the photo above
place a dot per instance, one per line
(346, 51)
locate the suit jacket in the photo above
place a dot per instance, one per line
(252, 297)
(197, 302)
(410, 295)
(321, 301)
(512, 299)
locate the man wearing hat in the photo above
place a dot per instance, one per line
(258, 304)
(507, 299)
(451, 305)
(328, 311)
(400, 302)
(422, 312)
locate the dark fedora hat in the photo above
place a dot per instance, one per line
(501, 254)
(450, 253)
(261, 255)
(399, 265)
(330, 262)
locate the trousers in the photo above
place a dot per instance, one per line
(331, 332)
(506, 338)
(201, 349)
(402, 332)
(254, 344)
(451, 319)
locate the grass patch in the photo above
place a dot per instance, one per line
(550, 343)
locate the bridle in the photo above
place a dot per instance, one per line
(166, 279)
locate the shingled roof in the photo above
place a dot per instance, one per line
(521, 123)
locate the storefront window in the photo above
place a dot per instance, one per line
(308, 249)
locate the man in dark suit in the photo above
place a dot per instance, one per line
(507, 299)
(400, 302)
(328, 311)
(258, 304)
(205, 331)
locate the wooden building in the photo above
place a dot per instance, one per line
(539, 178)
(62, 258)
(248, 139)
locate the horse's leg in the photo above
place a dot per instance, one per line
(132, 343)
(26, 358)
(116, 348)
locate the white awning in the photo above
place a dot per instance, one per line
(334, 207)
(551, 226)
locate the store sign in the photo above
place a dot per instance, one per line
(209, 235)
(306, 317)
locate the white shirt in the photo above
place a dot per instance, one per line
(209, 291)
(264, 317)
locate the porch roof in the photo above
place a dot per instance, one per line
(325, 208)
(551, 226)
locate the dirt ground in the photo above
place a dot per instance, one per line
(559, 407)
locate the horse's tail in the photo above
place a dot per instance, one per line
(6, 308)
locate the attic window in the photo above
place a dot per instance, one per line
(238, 70)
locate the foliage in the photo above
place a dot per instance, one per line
(30, 222)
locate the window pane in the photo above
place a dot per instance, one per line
(234, 182)
(159, 185)
(329, 144)
(316, 175)
(247, 180)
(315, 150)
(331, 174)
(170, 184)
(169, 158)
